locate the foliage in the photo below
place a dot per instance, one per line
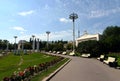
(69, 46)
(56, 46)
(111, 36)
(91, 46)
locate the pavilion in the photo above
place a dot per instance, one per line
(86, 37)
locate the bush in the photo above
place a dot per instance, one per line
(91, 46)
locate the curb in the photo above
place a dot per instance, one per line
(56, 71)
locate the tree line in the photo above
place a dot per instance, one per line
(59, 45)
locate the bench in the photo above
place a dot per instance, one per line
(101, 58)
(85, 55)
(58, 52)
(54, 52)
(1, 55)
(109, 60)
(64, 53)
(72, 53)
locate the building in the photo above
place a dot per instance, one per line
(86, 37)
(21, 44)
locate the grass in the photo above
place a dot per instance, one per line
(50, 70)
(10, 63)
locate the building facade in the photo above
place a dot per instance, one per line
(86, 37)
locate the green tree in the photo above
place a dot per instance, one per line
(91, 46)
(111, 36)
(27, 45)
(69, 46)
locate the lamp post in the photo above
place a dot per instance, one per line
(7, 46)
(38, 45)
(22, 45)
(73, 16)
(15, 43)
(33, 46)
(48, 32)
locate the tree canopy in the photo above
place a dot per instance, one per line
(111, 36)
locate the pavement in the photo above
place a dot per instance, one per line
(85, 69)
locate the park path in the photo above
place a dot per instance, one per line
(86, 69)
(21, 60)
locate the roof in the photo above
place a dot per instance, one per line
(87, 36)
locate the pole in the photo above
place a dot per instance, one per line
(33, 46)
(37, 45)
(48, 32)
(15, 43)
(47, 39)
(73, 36)
(73, 16)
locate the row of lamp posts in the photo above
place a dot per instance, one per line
(33, 45)
(72, 16)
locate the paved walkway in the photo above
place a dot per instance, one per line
(85, 69)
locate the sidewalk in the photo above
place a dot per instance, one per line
(86, 69)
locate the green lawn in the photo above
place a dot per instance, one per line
(10, 63)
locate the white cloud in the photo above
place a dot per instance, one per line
(64, 20)
(101, 13)
(98, 13)
(25, 13)
(18, 28)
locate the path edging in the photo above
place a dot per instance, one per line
(56, 71)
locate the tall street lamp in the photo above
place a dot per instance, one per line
(7, 46)
(38, 45)
(15, 43)
(22, 45)
(73, 16)
(33, 46)
(47, 32)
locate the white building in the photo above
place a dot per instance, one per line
(21, 44)
(86, 37)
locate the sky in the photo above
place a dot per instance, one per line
(24, 18)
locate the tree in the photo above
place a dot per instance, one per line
(111, 36)
(27, 45)
(69, 46)
(91, 46)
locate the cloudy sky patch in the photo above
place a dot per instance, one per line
(25, 13)
(38, 16)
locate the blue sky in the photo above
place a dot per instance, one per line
(24, 18)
